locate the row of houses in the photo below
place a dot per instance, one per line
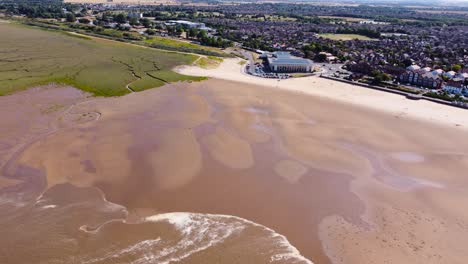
(189, 24)
(456, 87)
(434, 79)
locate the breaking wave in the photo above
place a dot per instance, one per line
(206, 236)
(78, 225)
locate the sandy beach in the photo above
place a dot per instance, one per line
(198, 172)
(394, 104)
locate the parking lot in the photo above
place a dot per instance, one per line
(333, 69)
(260, 71)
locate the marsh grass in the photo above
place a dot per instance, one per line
(30, 57)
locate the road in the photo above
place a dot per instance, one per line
(249, 56)
(331, 68)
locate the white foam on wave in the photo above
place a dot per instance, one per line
(145, 245)
(289, 253)
(199, 232)
(50, 206)
(4, 200)
(180, 220)
(183, 221)
(256, 110)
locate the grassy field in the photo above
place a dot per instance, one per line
(30, 57)
(179, 44)
(347, 19)
(344, 36)
(209, 62)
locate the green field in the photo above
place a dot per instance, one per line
(348, 19)
(180, 44)
(344, 36)
(208, 62)
(30, 56)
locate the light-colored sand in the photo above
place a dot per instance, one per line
(177, 160)
(344, 184)
(5, 182)
(290, 170)
(397, 105)
(229, 149)
(400, 236)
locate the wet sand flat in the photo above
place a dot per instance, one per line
(30, 115)
(343, 184)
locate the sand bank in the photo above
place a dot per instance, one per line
(394, 104)
(336, 179)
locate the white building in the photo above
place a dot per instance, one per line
(137, 15)
(413, 67)
(283, 62)
(189, 24)
(456, 89)
(450, 74)
(437, 72)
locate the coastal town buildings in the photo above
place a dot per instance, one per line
(281, 61)
(189, 24)
(137, 15)
(450, 82)
(456, 87)
(421, 77)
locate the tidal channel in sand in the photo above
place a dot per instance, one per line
(204, 172)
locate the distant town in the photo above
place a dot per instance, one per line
(420, 51)
(233, 131)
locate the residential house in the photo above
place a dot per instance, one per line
(421, 78)
(456, 87)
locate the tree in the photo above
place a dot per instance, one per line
(170, 30)
(133, 21)
(192, 33)
(201, 34)
(321, 57)
(456, 67)
(70, 17)
(381, 77)
(407, 62)
(179, 30)
(120, 18)
(105, 17)
(84, 21)
(145, 22)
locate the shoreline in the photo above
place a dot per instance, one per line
(395, 91)
(335, 168)
(394, 104)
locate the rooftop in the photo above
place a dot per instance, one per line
(282, 57)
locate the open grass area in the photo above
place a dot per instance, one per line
(208, 62)
(347, 19)
(344, 36)
(180, 44)
(30, 56)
